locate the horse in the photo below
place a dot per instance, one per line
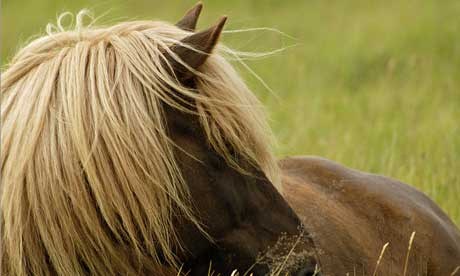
(136, 149)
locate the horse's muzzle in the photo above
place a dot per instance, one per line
(307, 271)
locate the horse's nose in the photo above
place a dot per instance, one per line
(307, 271)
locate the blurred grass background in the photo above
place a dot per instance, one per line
(374, 85)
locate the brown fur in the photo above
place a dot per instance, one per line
(352, 214)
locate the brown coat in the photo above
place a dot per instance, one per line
(351, 215)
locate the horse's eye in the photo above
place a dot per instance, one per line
(183, 129)
(216, 162)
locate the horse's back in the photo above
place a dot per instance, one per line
(352, 215)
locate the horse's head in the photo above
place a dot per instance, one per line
(250, 224)
(138, 146)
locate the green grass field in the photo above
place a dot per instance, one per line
(374, 85)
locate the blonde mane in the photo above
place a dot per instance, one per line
(89, 180)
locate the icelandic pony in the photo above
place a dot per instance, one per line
(137, 149)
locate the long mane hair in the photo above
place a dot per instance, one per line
(89, 180)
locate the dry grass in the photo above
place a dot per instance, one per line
(411, 240)
(380, 258)
(457, 269)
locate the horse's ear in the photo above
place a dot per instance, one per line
(193, 50)
(188, 22)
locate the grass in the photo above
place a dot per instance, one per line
(374, 85)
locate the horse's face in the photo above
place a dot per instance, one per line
(244, 214)
(251, 225)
